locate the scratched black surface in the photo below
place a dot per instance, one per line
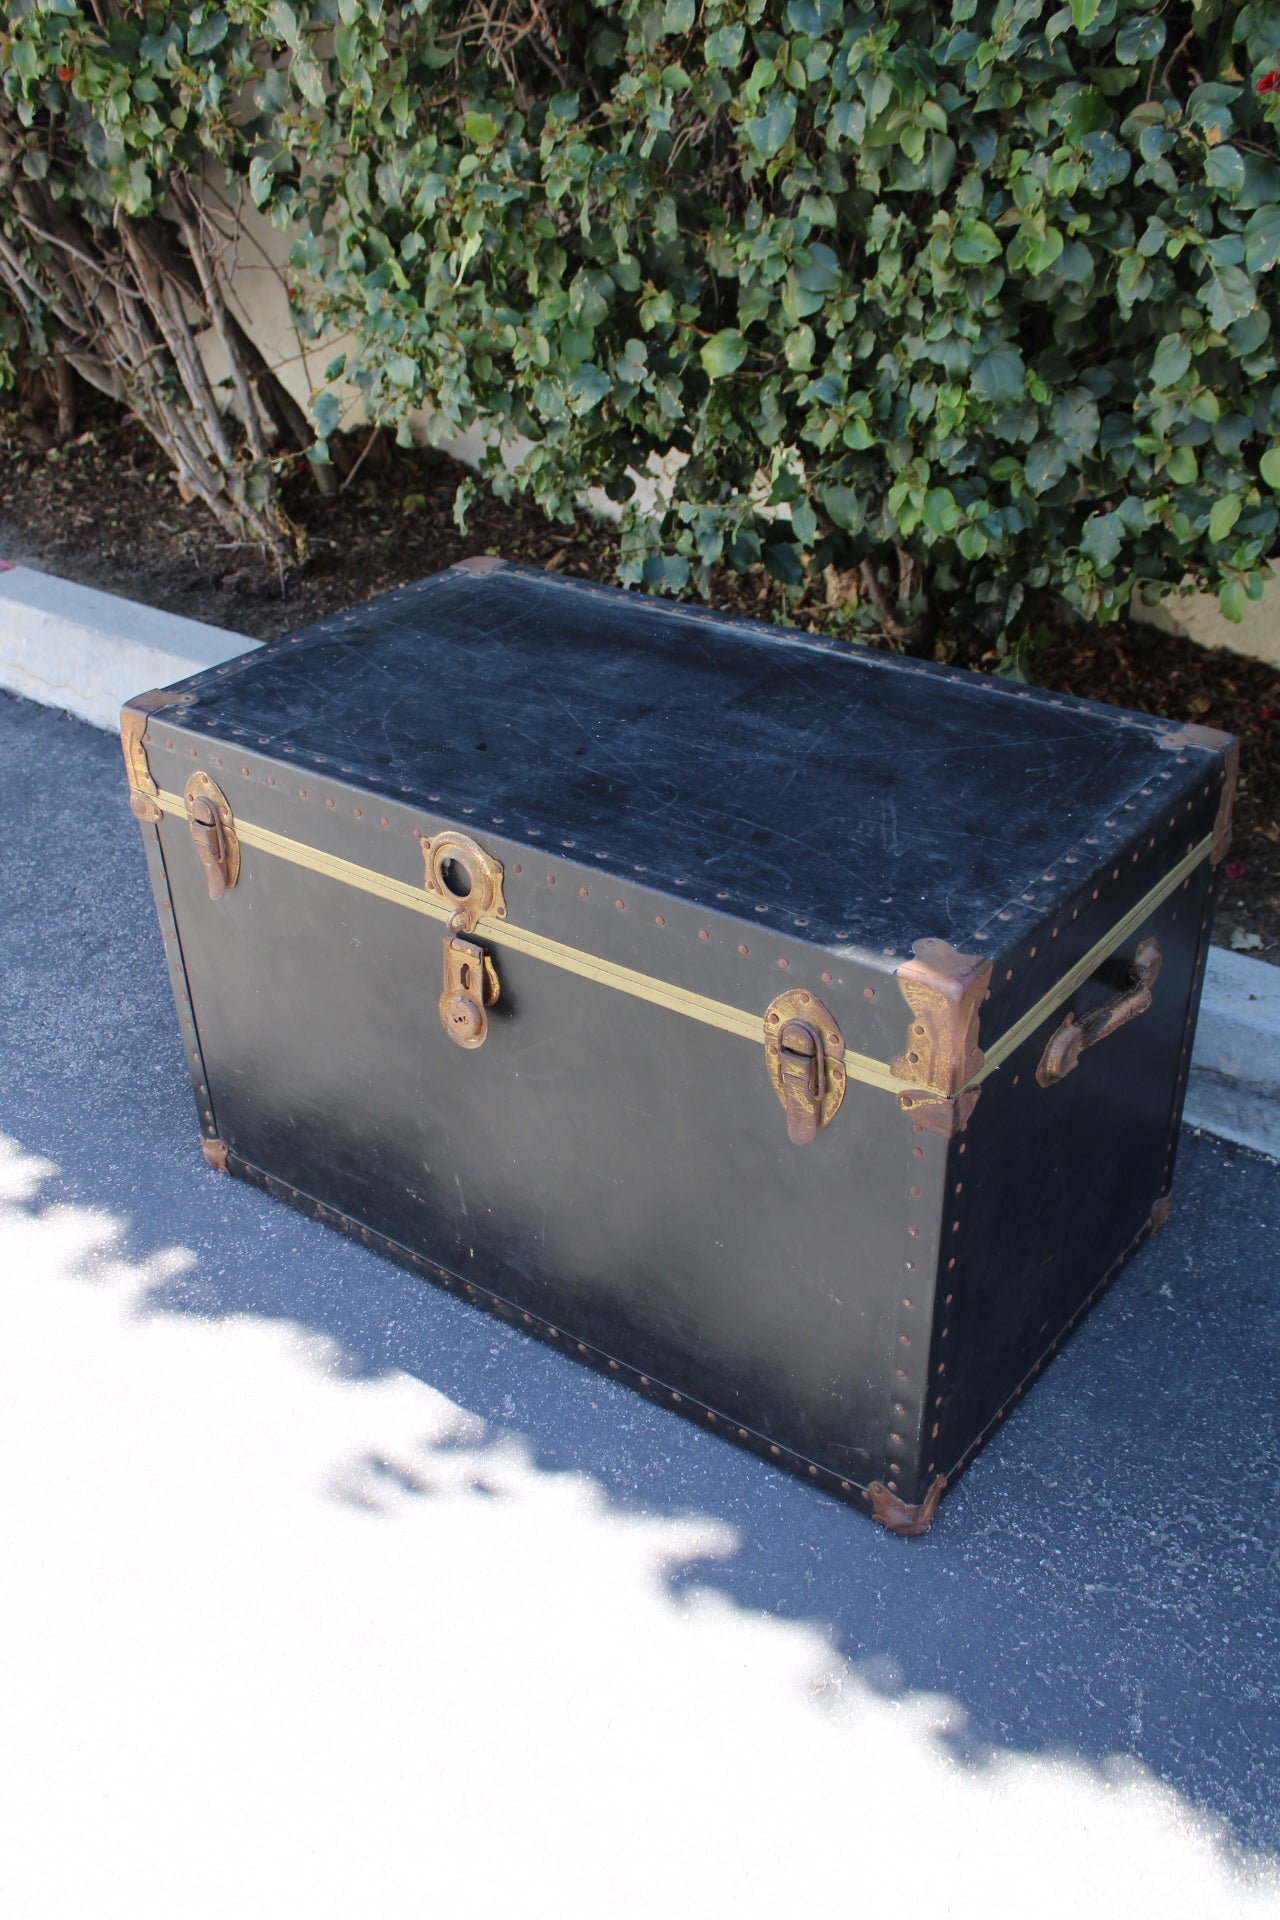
(877, 798)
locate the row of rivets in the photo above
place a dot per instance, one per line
(494, 1303)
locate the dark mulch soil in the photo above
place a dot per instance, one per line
(105, 512)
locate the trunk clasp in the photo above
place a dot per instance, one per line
(470, 985)
(804, 1055)
(213, 831)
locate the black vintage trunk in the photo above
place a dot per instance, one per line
(688, 817)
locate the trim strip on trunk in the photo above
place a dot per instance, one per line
(661, 993)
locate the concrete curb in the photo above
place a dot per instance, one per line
(1234, 1087)
(88, 652)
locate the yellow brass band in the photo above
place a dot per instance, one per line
(661, 993)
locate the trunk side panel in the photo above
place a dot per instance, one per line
(1051, 1186)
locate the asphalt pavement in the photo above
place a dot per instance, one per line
(322, 1593)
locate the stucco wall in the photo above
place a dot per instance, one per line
(1199, 615)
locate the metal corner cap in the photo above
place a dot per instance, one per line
(944, 990)
(1227, 747)
(137, 711)
(480, 564)
(944, 967)
(1209, 739)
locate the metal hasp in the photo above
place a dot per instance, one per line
(470, 985)
(804, 1053)
(213, 831)
(1062, 1055)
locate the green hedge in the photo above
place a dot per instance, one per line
(975, 299)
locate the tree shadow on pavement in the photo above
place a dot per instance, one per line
(1104, 1581)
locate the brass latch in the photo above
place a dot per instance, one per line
(470, 985)
(1068, 1042)
(804, 1053)
(214, 832)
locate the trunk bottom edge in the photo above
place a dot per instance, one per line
(560, 1340)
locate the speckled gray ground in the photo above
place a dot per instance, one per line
(1103, 1582)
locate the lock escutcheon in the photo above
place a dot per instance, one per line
(466, 879)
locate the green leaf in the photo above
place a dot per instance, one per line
(262, 175)
(843, 508)
(1224, 169)
(1262, 240)
(1140, 39)
(723, 48)
(207, 34)
(804, 523)
(1172, 359)
(1102, 538)
(666, 573)
(308, 77)
(1046, 465)
(998, 375)
(283, 21)
(941, 514)
(1233, 600)
(588, 388)
(799, 349)
(772, 130)
(1269, 467)
(723, 353)
(783, 562)
(1182, 467)
(326, 412)
(1084, 13)
(480, 128)
(1229, 296)
(975, 244)
(1224, 514)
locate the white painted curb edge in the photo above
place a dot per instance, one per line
(88, 652)
(1234, 1087)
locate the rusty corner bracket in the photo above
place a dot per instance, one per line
(1213, 740)
(944, 990)
(215, 1152)
(897, 1517)
(144, 794)
(944, 1117)
(1160, 1212)
(481, 565)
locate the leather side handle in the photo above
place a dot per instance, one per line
(1068, 1042)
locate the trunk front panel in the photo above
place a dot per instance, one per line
(619, 1170)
